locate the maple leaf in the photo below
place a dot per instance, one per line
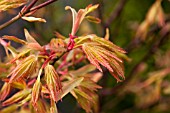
(25, 68)
(53, 81)
(100, 51)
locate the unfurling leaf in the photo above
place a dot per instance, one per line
(33, 19)
(79, 16)
(53, 81)
(10, 4)
(36, 90)
(24, 69)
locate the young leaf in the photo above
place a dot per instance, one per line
(53, 81)
(36, 89)
(79, 16)
(53, 108)
(33, 19)
(25, 68)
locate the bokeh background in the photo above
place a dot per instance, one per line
(147, 85)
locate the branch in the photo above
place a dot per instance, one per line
(42, 5)
(116, 13)
(10, 22)
(26, 10)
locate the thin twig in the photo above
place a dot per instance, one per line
(25, 11)
(100, 13)
(10, 22)
(30, 5)
(42, 5)
(116, 13)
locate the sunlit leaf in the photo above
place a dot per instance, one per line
(19, 84)
(100, 51)
(91, 8)
(107, 34)
(27, 99)
(33, 19)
